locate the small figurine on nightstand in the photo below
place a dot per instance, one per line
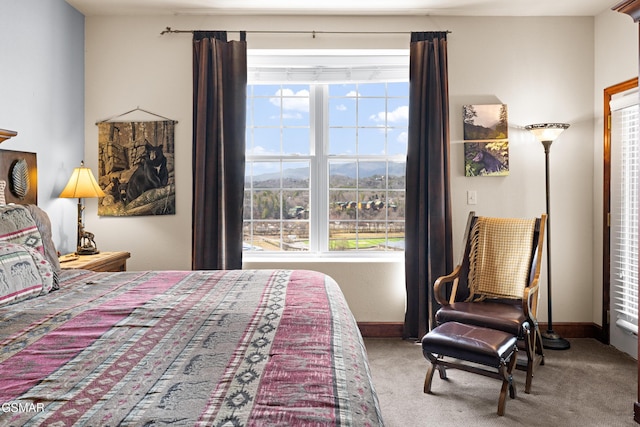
(86, 242)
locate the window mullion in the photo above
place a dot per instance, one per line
(319, 168)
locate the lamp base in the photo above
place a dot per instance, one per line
(87, 251)
(553, 341)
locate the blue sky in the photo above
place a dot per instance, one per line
(357, 116)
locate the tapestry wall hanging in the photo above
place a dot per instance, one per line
(136, 168)
(486, 147)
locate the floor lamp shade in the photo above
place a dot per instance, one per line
(546, 133)
(83, 184)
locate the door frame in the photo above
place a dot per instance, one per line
(606, 203)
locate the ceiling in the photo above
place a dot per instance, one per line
(345, 7)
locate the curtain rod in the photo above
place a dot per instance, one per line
(313, 33)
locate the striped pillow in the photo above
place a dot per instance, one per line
(18, 226)
(24, 273)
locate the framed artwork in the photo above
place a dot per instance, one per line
(486, 146)
(486, 158)
(482, 122)
(136, 168)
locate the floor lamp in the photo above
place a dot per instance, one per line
(546, 133)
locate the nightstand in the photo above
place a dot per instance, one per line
(103, 261)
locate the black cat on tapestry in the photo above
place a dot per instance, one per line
(151, 173)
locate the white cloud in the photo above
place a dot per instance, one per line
(398, 115)
(341, 107)
(299, 103)
(352, 93)
(403, 138)
(258, 150)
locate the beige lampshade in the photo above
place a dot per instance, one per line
(547, 131)
(82, 184)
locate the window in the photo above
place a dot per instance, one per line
(625, 161)
(325, 161)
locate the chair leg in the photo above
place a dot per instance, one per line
(539, 347)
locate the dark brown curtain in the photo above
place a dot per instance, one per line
(428, 250)
(219, 113)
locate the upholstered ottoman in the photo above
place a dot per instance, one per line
(473, 349)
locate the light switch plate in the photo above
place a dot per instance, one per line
(472, 197)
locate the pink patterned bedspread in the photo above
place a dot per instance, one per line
(216, 348)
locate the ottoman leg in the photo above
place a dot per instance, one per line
(429, 378)
(507, 382)
(432, 368)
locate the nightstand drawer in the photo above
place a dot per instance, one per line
(103, 261)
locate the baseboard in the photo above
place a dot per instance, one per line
(565, 330)
(575, 329)
(381, 329)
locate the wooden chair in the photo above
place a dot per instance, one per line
(495, 285)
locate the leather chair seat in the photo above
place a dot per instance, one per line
(494, 315)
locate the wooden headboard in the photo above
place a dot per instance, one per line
(19, 169)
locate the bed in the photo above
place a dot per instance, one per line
(147, 348)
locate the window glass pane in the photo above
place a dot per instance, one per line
(342, 204)
(266, 141)
(266, 235)
(294, 102)
(397, 141)
(262, 90)
(296, 204)
(342, 141)
(342, 112)
(372, 175)
(266, 204)
(398, 112)
(296, 236)
(397, 174)
(395, 205)
(264, 174)
(371, 112)
(343, 90)
(371, 141)
(372, 89)
(295, 175)
(398, 89)
(301, 91)
(265, 112)
(295, 140)
(342, 174)
(371, 206)
(341, 235)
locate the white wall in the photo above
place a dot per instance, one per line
(542, 68)
(42, 98)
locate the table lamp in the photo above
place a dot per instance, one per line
(82, 184)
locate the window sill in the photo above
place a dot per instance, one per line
(327, 259)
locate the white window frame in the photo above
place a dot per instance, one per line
(624, 236)
(338, 66)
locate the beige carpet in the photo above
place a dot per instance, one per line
(590, 384)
